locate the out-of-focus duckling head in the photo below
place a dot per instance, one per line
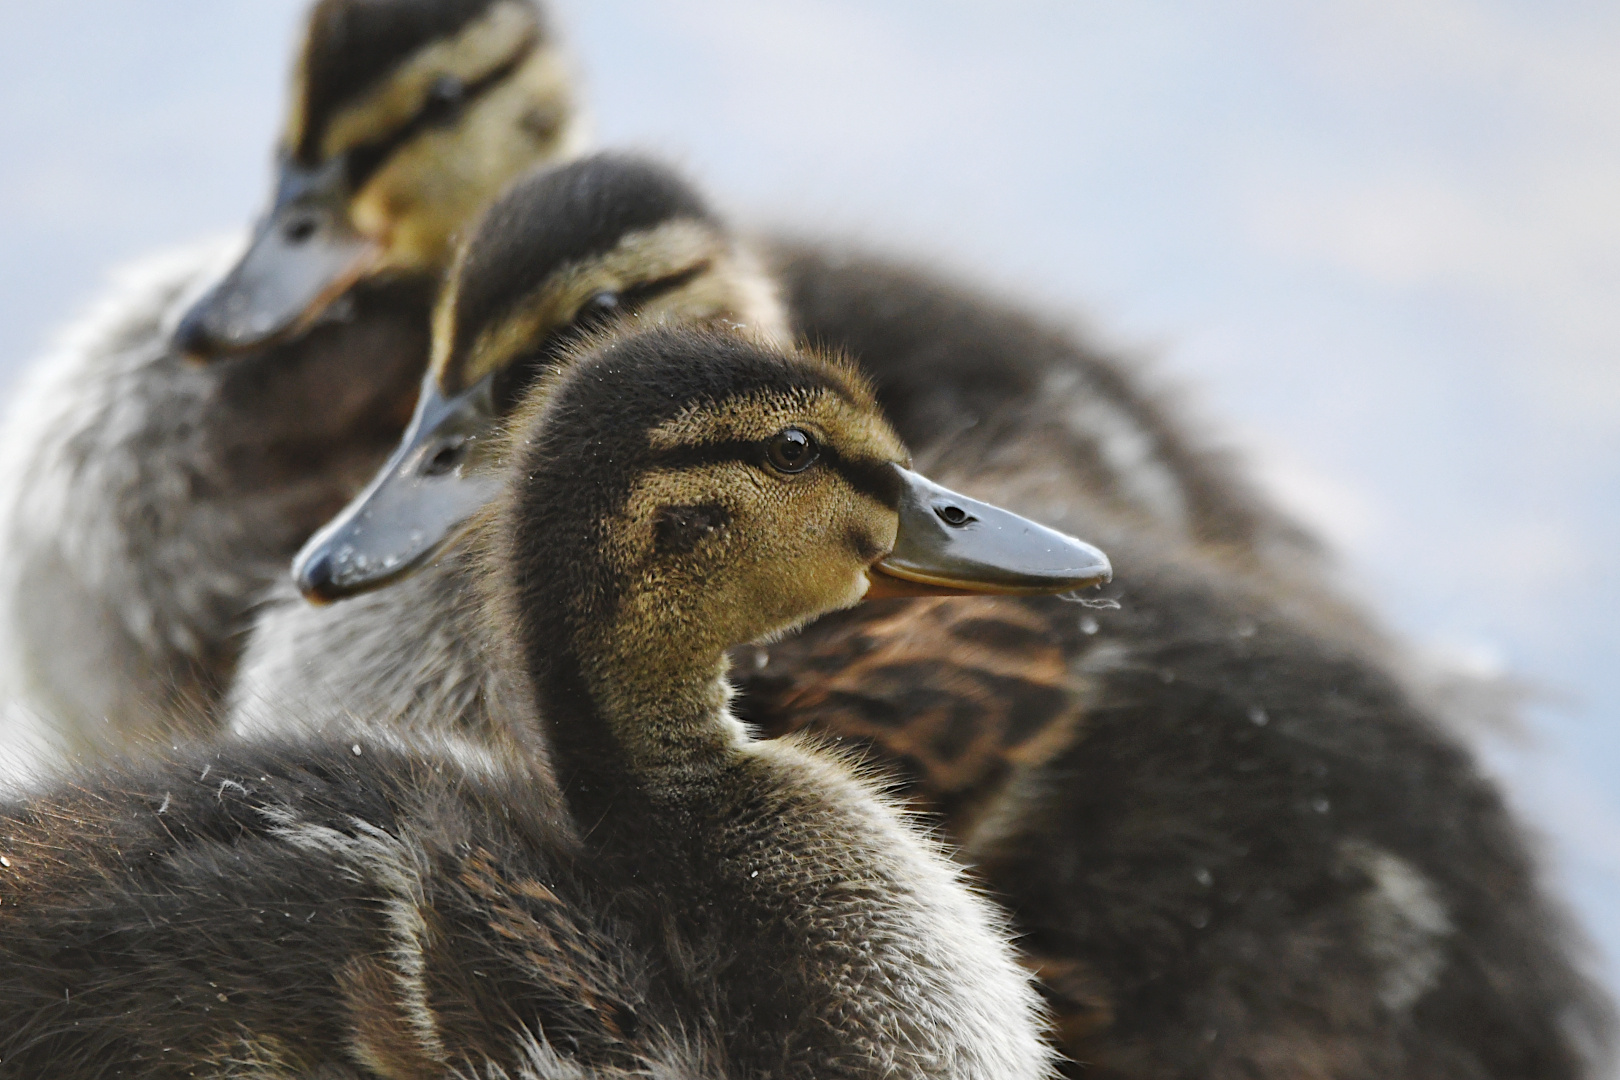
(607, 241)
(406, 118)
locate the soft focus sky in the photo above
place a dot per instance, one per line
(1377, 240)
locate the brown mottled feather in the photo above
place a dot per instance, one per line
(954, 693)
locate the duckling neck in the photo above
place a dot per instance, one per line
(641, 724)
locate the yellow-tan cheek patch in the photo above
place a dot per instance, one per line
(788, 548)
(492, 39)
(733, 291)
(632, 537)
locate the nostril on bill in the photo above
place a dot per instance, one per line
(446, 458)
(296, 232)
(954, 515)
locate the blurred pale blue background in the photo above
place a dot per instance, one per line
(1379, 239)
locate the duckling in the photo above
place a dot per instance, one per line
(148, 497)
(1209, 892)
(1232, 843)
(687, 901)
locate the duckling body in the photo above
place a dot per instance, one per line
(309, 669)
(693, 900)
(171, 455)
(1352, 943)
(151, 499)
(1233, 844)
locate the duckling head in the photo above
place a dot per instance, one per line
(406, 118)
(676, 491)
(606, 241)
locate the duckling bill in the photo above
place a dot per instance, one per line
(947, 544)
(950, 545)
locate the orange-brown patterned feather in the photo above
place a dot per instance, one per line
(952, 693)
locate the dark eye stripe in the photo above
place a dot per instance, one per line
(521, 373)
(637, 295)
(874, 479)
(362, 162)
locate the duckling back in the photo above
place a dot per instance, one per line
(1274, 857)
(339, 908)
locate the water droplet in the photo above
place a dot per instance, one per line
(1257, 716)
(1096, 603)
(355, 749)
(1088, 625)
(1203, 876)
(1320, 805)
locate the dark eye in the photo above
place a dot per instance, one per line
(791, 451)
(444, 97)
(596, 312)
(598, 307)
(298, 230)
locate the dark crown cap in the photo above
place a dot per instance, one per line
(592, 426)
(558, 216)
(353, 44)
(637, 381)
